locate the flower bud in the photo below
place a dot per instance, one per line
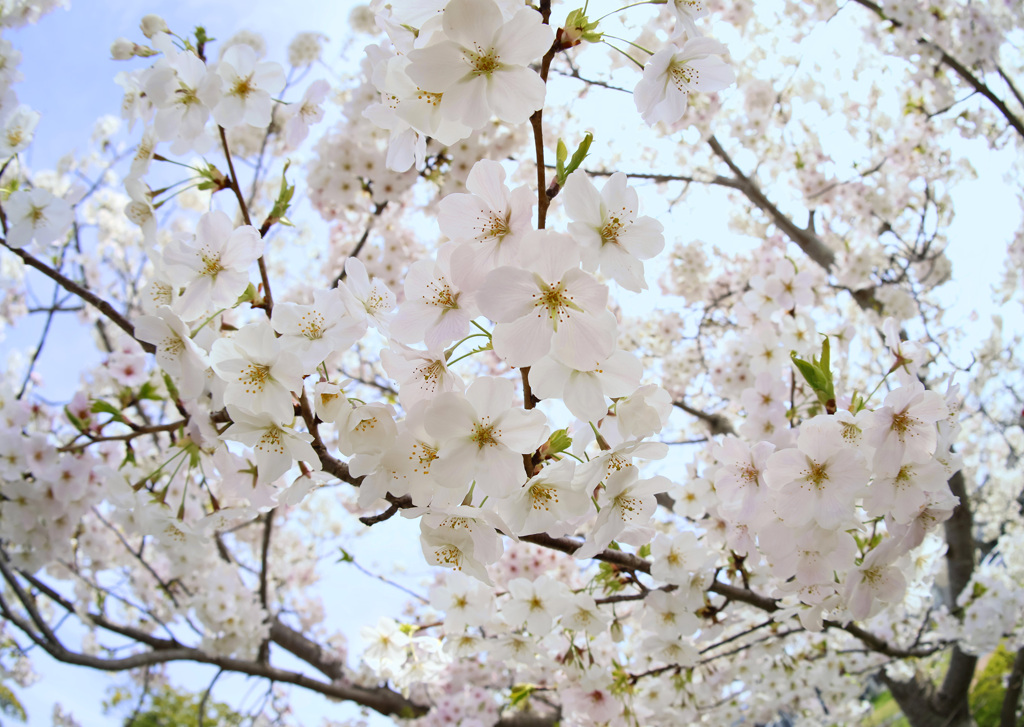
(122, 49)
(153, 24)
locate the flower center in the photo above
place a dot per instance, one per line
(254, 377)
(555, 298)
(312, 326)
(484, 62)
(424, 455)
(243, 87)
(610, 232)
(543, 497)
(483, 434)
(817, 474)
(683, 76)
(441, 295)
(271, 441)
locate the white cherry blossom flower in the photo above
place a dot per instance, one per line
(548, 303)
(537, 603)
(19, 127)
(275, 445)
(320, 331)
(904, 428)
(480, 67)
(374, 301)
(598, 469)
(407, 111)
(670, 615)
(903, 491)
(644, 412)
(673, 73)
(260, 374)
(213, 267)
(613, 239)
(626, 502)
(176, 352)
(179, 86)
(484, 437)
(583, 614)
(739, 482)
(246, 95)
(464, 601)
(492, 219)
(420, 375)
(819, 479)
(687, 12)
(874, 582)
(464, 539)
(36, 214)
(677, 559)
(406, 467)
(550, 502)
(585, 392)
(369, 429)
(438, 302)
(306, 112)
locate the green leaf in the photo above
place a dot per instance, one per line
(150, 392)
(75, 421)
(579, 27)
(557, 443)
(105, 407)
(248, 295)
(10, 705)
(818, 374)
(283, 201)
(809, 371)
(345, 557)
(520, 694)
(171, 388)
(561, 154)
(577, 158)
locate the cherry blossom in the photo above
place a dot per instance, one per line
(673, 73)
(480, 67)
(483, 438)
(212, 267)
(611, 236)
(549, 305)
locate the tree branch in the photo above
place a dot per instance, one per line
(958, 67)
(89, 297)
(1011, 700)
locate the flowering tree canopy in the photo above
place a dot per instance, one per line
(655, 480)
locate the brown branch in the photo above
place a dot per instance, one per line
(1011, 700)
(89, 297)
(129, 632)
(378, 209)
(961, 70)
(268, 298)
(138, 432)
(537, 119)
(812, 245)
(717, 180)
(718, 423)
(397, 503)
(329, 464)
(268, 527)
(380, 699)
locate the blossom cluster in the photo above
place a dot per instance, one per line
(467, 358)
